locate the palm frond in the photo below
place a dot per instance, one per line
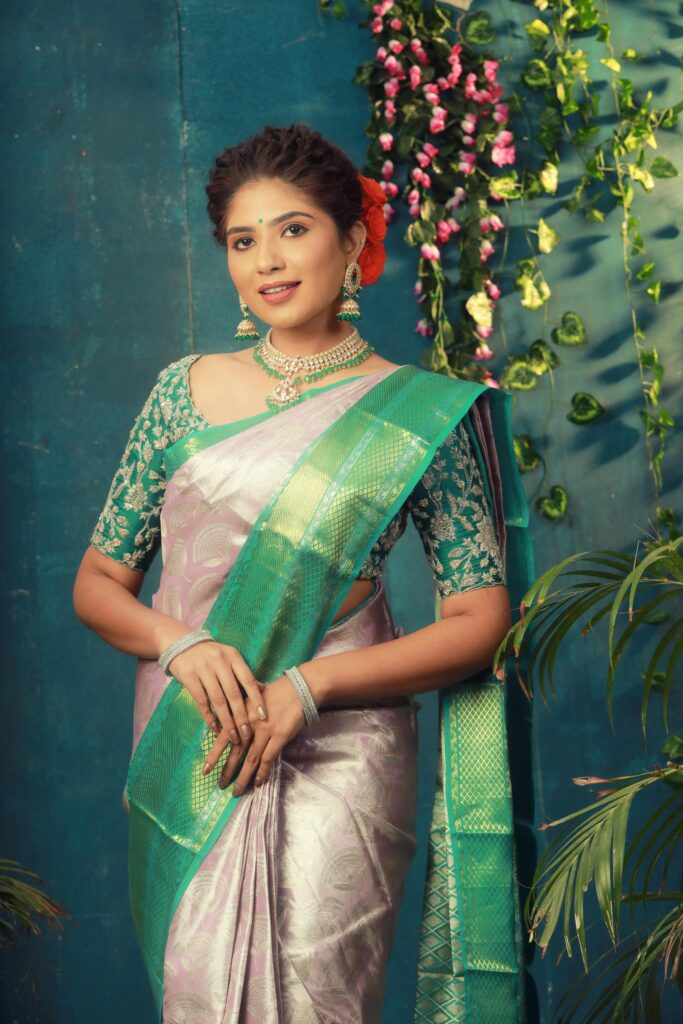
(591, 585)
(594, 851)
(23, 904)
(632, 993)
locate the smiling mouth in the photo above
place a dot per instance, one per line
(279, 292)
(278, 288)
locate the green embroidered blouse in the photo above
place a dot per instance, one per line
(448, 505)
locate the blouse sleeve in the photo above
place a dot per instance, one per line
(451, 513)
(128, 527)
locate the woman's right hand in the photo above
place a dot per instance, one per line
(212, 673)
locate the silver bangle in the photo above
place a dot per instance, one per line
(195, 636)
(304, 694)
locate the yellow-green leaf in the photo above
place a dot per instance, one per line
(548, 238)
(642, 175)
(548, 177)
(611, 63)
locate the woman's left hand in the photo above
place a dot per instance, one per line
(284, 719)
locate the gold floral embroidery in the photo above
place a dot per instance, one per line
(450, 510)
(128, 527)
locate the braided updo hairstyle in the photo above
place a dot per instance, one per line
(299, 156)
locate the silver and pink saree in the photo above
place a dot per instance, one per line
(280, 906)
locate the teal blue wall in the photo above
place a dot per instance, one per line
(113, 115)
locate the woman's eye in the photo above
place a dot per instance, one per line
(245, 238)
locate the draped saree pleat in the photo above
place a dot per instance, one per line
(280, 906)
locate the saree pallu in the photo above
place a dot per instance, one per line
(280, 905)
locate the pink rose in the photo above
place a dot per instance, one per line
(466, 162)
(490, 68)
(428, 251)
(415, 75)
(423, 328)
(386, 141)
(387, 169)
(395, 46)
(485, 250)
(502, 155)
(429, 149)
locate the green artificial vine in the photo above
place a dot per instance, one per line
(436, 106)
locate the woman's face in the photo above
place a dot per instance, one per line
(275, 234)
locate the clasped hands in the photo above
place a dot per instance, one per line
(259, 726)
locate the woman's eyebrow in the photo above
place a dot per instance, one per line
(275, 220)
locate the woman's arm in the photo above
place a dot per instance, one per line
(462, 643)
(105, 599)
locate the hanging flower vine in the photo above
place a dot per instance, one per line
(437, 108)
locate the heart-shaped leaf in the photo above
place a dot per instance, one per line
(571, 330)
(663, 168)
(554, 506)
(525, 453)
(518, 375)
(541, 357)
(585, 408)
(478, 29)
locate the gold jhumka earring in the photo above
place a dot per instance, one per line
(349, 309)
(246, 328)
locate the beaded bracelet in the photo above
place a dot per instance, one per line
(195, 636)
(304, 694)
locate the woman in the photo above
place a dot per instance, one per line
(272, 784)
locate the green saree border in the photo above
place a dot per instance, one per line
(174, 825)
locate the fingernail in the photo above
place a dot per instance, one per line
(257, 782)
(206, 768)
(261, 711)
(244, 729)
(236, 790)
(221, 784)
(233, 736)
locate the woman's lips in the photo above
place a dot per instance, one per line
(282, 296)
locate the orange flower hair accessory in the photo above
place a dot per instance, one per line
(373, 255)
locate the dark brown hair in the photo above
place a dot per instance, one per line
(298, 155)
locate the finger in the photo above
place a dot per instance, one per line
(214, 755)
(234, 697)
(221, 706)
(250, 764)
(201, 699)
(232, 763)
(271, 751)
(250, 683)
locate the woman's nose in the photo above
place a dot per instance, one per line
(269, 258)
